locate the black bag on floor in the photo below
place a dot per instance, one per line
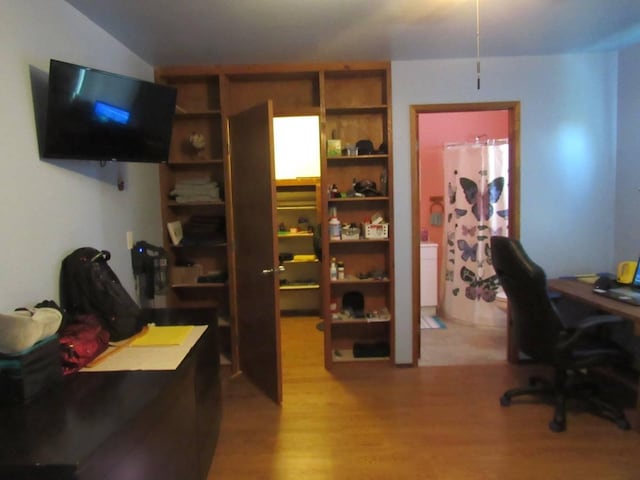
(88, 285)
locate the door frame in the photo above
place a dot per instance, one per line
(513, 109)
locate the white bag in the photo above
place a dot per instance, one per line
(22, 329)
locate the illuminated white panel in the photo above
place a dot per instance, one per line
(297, 146)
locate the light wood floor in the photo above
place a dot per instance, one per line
(461, 344)
(382, 422)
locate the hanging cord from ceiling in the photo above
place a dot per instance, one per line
(478, 43)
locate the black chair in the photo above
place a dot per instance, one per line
(571, 346)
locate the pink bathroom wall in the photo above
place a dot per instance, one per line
(434, 131)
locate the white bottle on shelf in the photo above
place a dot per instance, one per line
(334, 225)
(333, 269)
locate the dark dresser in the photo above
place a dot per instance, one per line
(129, 425)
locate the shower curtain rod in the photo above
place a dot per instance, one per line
(488, 141)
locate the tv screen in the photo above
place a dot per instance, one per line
(97, 115)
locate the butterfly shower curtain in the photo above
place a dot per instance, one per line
(475, 178)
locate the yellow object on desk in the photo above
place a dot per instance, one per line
(587, 278)
(156, 336)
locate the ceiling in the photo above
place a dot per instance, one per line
(170, 32)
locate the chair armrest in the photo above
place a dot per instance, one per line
(574, 333)
(597, 320)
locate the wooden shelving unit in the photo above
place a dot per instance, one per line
(358, 107)
(205, 222)
(300, 282)
(353, 102)
(293, 89)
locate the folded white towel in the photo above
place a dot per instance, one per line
(22, 329)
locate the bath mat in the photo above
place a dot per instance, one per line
(428, 321)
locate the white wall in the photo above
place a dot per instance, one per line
(627, 216)
(568, 146)
(49, 208)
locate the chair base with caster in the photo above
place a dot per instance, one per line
(575, 389)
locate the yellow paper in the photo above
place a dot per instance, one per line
(162, 357)
(304, 258)
(157, 336)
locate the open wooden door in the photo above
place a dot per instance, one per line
(254, 219)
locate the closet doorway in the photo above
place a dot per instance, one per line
(430, 116)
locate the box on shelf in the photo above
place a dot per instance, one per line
(350, 233)
(371, 349)
(380, 230)
(334, 148)
(186, 275)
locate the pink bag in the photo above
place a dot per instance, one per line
(81, 342)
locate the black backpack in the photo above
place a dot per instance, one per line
(88, 285)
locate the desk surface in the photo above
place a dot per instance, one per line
(583, 291)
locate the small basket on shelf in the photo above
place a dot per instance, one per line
(350, 233)
(376, 231)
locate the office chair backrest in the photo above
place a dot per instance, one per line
(535, 321)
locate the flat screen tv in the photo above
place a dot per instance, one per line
(97, 115)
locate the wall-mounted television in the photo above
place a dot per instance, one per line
(97, 115)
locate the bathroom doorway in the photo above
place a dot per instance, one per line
(432, 126)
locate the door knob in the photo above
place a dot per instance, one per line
(278, 269)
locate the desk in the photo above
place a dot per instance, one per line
(125, 425)
(582, 292)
